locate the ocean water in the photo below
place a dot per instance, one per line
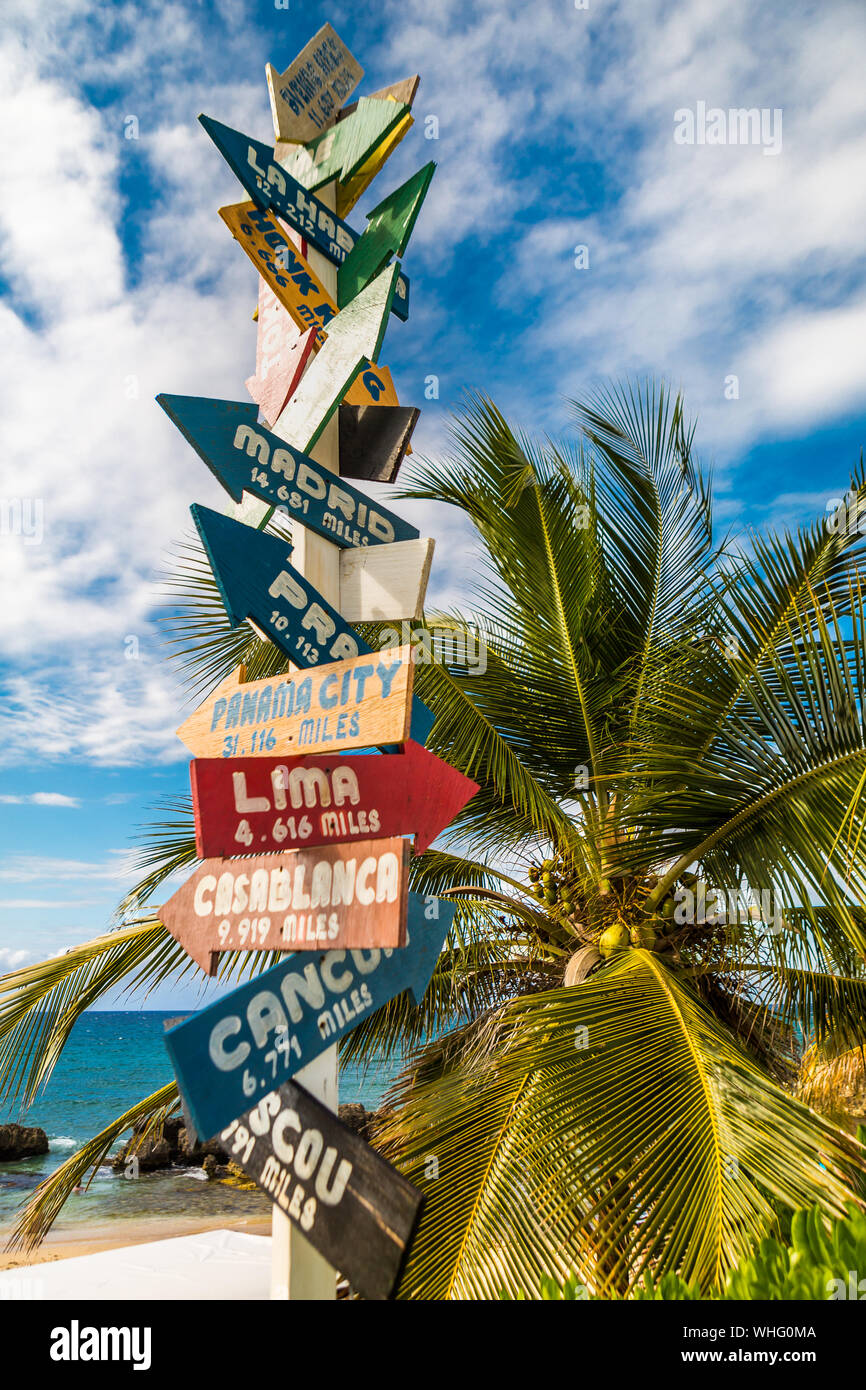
(111, 1061)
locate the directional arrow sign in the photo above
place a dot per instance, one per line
(234, 1052)
(256, 581)
(270, 186)
(246, 457)
(342, 152)
(347, 704)
(352, 1206)
(388, 231)
(340, 895)
(354, 339)
(282, 353)
(280, 265)
(246, 805)
(306, 97)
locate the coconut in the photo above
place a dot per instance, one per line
(643, 936)
(614, 939)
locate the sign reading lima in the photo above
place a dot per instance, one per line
(308, 480)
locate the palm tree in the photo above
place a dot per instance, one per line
(665, 728)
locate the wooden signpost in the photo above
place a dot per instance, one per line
(246, 457)
(270, 186)
(348, 704)
(312, 857)
(304, 900)
(306, 97)
(243, 1045)
(352, 1205)
(247, 804)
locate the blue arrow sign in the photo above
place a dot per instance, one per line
(245, 457)
(256, 580)
(271, 186)
(244, 1046)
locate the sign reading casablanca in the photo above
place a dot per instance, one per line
(357, 703)
(352, 1205)
(342, 895)
(244, 1045)
(246, 457)
(280, 803)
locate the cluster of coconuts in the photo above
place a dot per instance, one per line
(551, 888)
(554, 892)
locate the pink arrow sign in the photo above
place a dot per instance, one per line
(251, 805)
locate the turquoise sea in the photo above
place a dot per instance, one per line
(110, 1061)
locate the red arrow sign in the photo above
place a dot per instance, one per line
(249, 805)
(351, 896)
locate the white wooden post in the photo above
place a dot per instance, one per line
(297, 1270)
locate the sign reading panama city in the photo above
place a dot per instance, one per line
(244, 1045)
(357, 703)
(353, 1206)
(248, 804)
(343, 895)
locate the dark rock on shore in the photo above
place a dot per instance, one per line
(21, 1141)
(169, 1146)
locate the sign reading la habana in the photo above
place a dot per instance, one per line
(271, 186)
(352, 1205)
(358, 703)
(303, 900)
(238, 1049)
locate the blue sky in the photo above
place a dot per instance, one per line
(555, 130)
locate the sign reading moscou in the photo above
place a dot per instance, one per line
(353, 1207)
(343, 895)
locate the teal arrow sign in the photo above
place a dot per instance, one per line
(244, 1046)
(245, 457)
(272, 186)
(257, 581)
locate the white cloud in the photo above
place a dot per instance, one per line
(41, 799)
(11, 958)
(34, 868)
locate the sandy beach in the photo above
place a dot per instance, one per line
(64, 1244)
